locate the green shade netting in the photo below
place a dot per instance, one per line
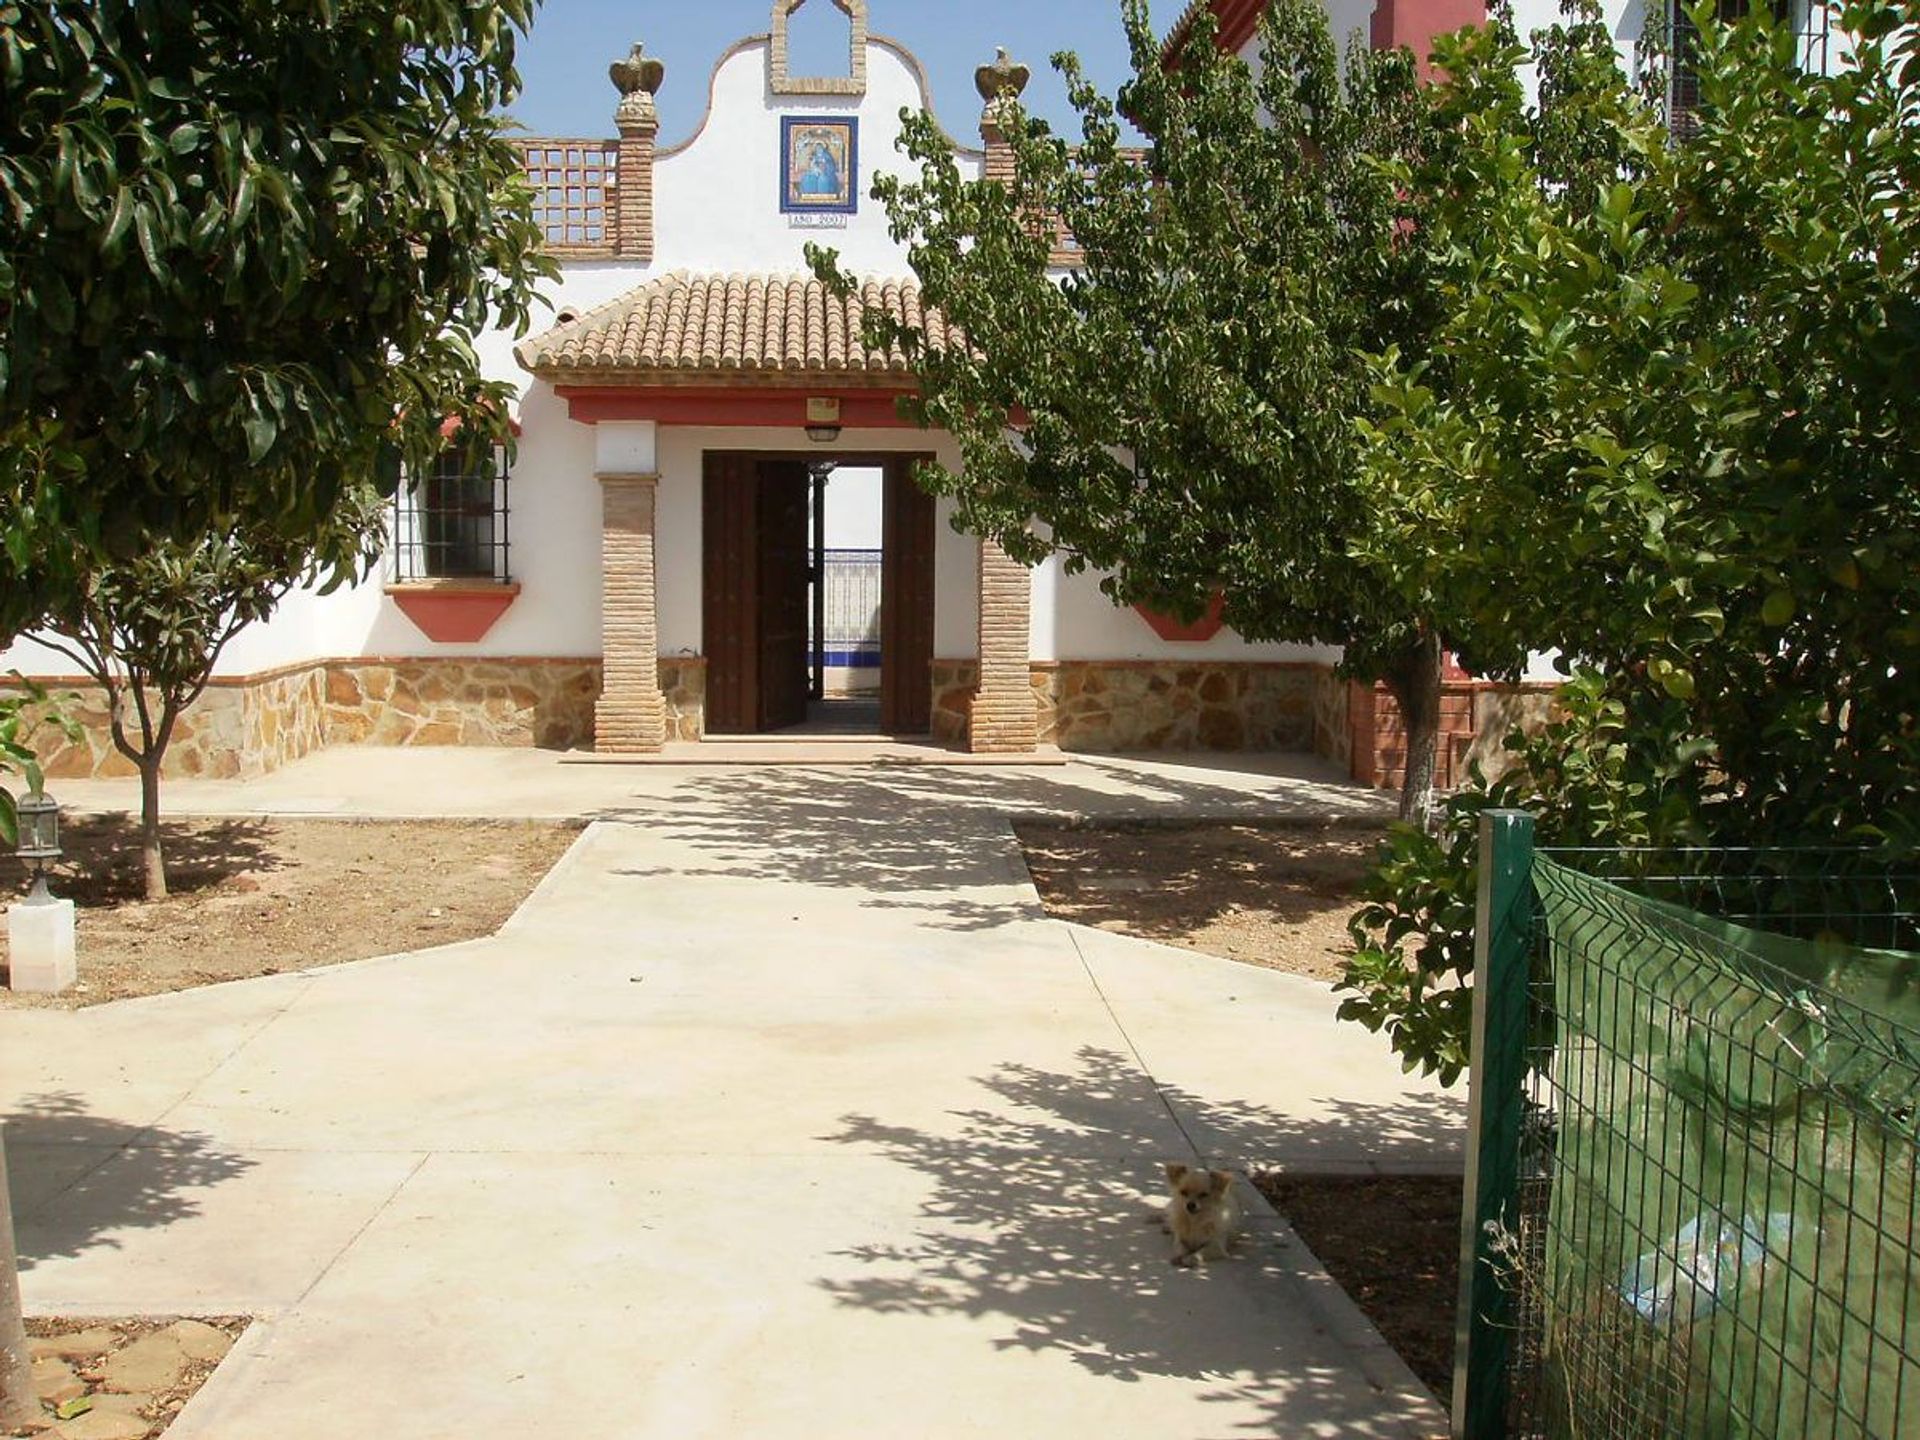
(1730, 1235)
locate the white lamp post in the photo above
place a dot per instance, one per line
(39, 928)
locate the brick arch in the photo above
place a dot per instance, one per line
(853, 83)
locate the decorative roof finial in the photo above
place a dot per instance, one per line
(1002, 80)
(638, 78)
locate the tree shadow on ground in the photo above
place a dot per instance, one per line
(100, 864)
(76, 1176)
(930, 839)
(1165, 881)
(1038, 1225)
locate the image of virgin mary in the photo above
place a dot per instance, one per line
(821, 178)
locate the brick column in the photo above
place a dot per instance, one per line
(1000, 85)
(1005, 717)
(637, 118)
(631, 715)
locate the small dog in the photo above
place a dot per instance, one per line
(1202, 1216)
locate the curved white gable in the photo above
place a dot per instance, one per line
(717, 196)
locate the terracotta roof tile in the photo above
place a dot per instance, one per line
(684, 324)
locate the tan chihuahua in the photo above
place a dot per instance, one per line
(1202, 1216)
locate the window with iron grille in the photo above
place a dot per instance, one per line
(1677, 42)
(452, 524)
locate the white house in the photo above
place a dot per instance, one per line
(641, 578)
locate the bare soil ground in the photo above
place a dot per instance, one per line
(256, 897)
(1393, 1244)
(1273, 895)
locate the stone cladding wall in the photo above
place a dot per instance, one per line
(247, 726)
(511, 703)
(954, 682)
(1120, 705)
(683, 681)
(1332, 724)
(236, 729)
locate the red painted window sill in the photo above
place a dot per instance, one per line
(1169, 627)
(454, 612)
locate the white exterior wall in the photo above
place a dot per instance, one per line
(1073, 620)
(716, 209)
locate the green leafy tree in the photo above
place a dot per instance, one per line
(238, 238)
(1184, 400)
(1677, 439)
(149, 630)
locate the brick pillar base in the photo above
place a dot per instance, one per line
(631, 715)
(636, 726)
(1005, 717)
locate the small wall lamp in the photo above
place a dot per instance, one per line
(823, 419)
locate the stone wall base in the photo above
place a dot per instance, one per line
(250, 725)
(235, 729)
(1114, 706)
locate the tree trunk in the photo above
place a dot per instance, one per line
(152, 862)
(1414, 679)
(18, 1404)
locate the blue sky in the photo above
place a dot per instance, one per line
(564, 62)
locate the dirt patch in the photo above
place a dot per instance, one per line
(1393, 1244)
(133, 1375)
(257, 897)
(1273, 895)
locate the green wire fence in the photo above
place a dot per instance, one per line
(1691, 1190)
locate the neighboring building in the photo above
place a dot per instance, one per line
(640, 575)
(1384, 24)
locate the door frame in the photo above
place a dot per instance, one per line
(893, 635)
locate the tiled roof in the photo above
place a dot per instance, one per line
(683, 325)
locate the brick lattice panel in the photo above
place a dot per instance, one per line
(575, 193)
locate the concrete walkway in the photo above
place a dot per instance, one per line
(779, 1110)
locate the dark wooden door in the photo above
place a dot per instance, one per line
(730, 587)
(906, 603)
(785, 565)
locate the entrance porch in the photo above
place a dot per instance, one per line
(713, 402)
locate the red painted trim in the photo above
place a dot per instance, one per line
(683, 405)
(453, 615)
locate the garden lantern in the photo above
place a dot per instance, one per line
(38, 843)
(39, 928)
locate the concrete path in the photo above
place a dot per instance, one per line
(779, 1110)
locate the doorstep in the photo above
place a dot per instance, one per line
(818, 750)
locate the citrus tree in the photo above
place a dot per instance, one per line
(1677, 439)
(244, 248)
(149, 630)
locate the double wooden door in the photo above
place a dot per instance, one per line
(758, 566)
